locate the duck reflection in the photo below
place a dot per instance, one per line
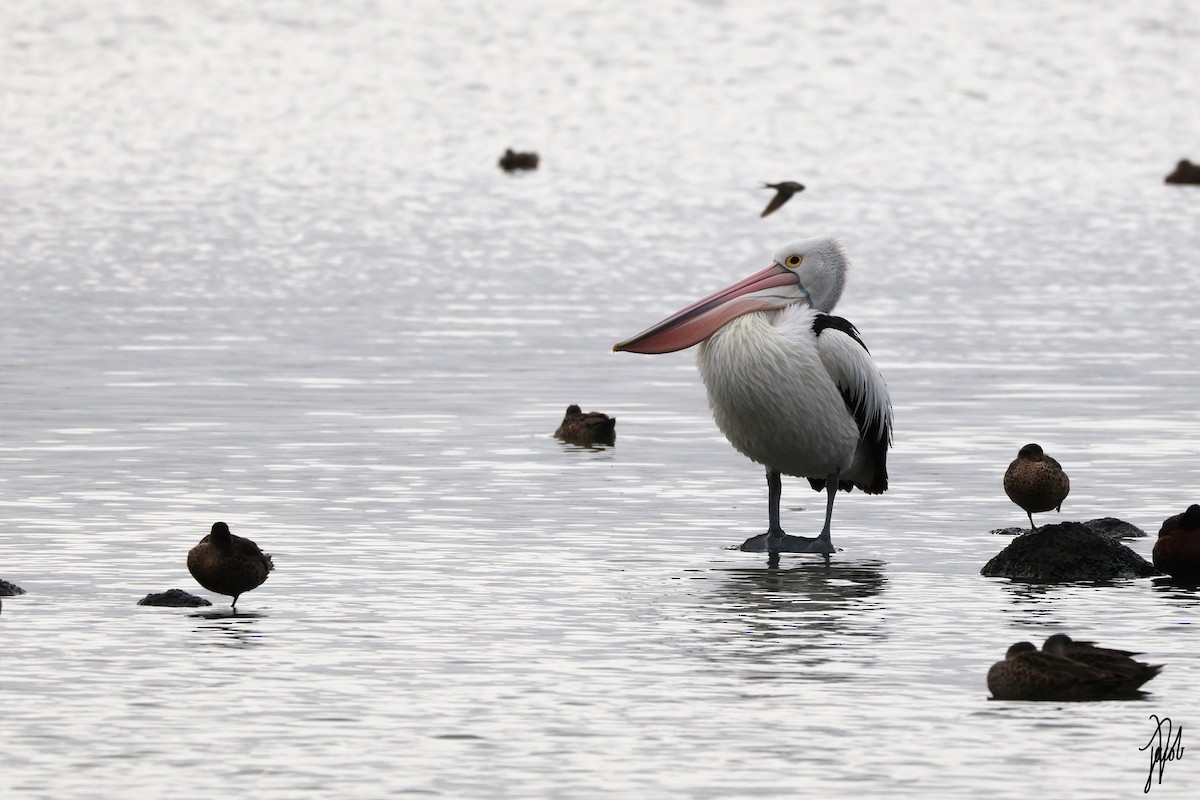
(1181, 593)
(235, 627)
(797, 617)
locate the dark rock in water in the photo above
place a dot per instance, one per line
(1115, 529)
(174, 598)
(1108, 527)
(10, 589)
(1185, 172)
(1068, 551)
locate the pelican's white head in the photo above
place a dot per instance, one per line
(821, 266)
(809, 271)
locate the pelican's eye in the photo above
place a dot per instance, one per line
(793, 261)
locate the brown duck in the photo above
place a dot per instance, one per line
(1185, 172)
(1036, 482)
(228, 564)
(587, 429)
(514, 160)
(1115, 662)
(1028, 674)
(1177, 549)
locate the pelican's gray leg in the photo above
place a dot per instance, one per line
(771, 540)
(823, 544)
(775, 541)
(775, 532)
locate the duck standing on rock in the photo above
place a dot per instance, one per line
(587, 429)
(228, 564)
(1177, 550)
(1036, 482)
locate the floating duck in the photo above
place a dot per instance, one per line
(228, 564)
(1029, 674)
(783, 192)
(1114, 662)
(513, 160)
(790, 385)
(1036, 482)
(1177, 550)
(587, 429)
(1185, 172)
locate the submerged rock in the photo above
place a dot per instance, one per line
(174, 598)
(1068, 551)
(1109, 527)
(1115, 529)
(10, 589)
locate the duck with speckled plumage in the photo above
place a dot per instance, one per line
(1036, 482)
(228, 564)
(1057, 672)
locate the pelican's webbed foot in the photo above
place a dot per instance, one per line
(821, 544)
(786, 543)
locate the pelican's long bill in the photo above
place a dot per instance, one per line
(702, 319)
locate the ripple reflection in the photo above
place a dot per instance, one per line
(803, 622)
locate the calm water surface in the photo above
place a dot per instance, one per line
(258, 265)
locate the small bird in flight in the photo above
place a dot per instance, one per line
(783, 192)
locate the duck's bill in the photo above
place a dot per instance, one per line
(702, 319)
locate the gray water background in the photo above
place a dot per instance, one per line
(257, 264)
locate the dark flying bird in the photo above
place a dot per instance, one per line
(790, 385)
(1036, 482)
(1177, 549)
(228, 564)
(513, 160)
(783, 193)
(587, 429)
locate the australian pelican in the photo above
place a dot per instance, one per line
(790, 385)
